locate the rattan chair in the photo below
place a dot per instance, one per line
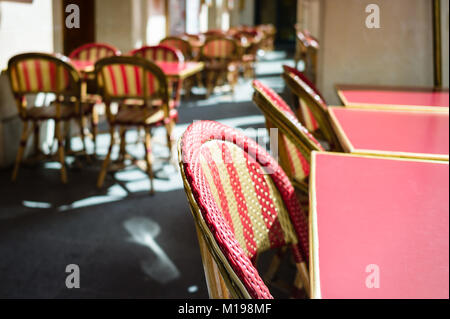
(34, 73)
(312, 110)
(140, 88)
(221, 56)
(243, 204)
(307, 50)
(181, 44)
(295, 143)
(163, 53)
(251, 44)
(93, 52)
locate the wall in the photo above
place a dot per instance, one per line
(24, 27)
(399, 53)
(445, 37)
(114, 23)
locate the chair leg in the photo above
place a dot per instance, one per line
(210, 83)
(274, 265)
(81, 124)
(36, 136)
(302, 278)
(123, 133)
(148, 158)
(94, 125)
(169, 130)
(59, 137)
(20, 152)
(104, 170)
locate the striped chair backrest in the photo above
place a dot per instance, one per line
(32, 73)
(246, 210)
(131, 78)
(313, 110)
(296, 141)
(306, 106)
(220, 48)
(159, 53)
(179, 43)
(94, 52)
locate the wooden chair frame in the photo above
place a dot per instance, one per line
(298, 88)
(213, 75)
(145, 102)
(70, 95)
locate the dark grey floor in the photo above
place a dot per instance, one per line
(126, 243)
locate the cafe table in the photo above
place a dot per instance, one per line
(391, 97)
(414, 134)
(379, 227)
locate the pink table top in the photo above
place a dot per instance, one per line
(391, 97)
(171, 69)
(417, 134)
(380, 228)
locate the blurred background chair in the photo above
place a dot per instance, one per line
(34, 73)
(140, 89)
(307, 50)
(243, 204)
(221, 57)
(250, 41)
(163, 53)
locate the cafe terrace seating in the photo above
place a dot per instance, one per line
(163, 53)
(134, 83)
(243, 204)
(33, 73)
(221, 57)
(295, 143)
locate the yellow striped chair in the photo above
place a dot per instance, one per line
(312, 111)
(221, 55)
(34, 73)
(93, 52)
(140, 88)
(163, 53)
(179, 43)
(243, 204)
(295, 143)
(184, 46)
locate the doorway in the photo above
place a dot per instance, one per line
(283, 15)
(73, 38)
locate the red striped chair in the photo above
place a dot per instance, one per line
(185, 47)
(93, 52)
(140, 88)
(243, 204)
(312, 110)
(180, 44)
(221, 56)
(34, 73)
(295, 143)
(162, 53)
(251, 43)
